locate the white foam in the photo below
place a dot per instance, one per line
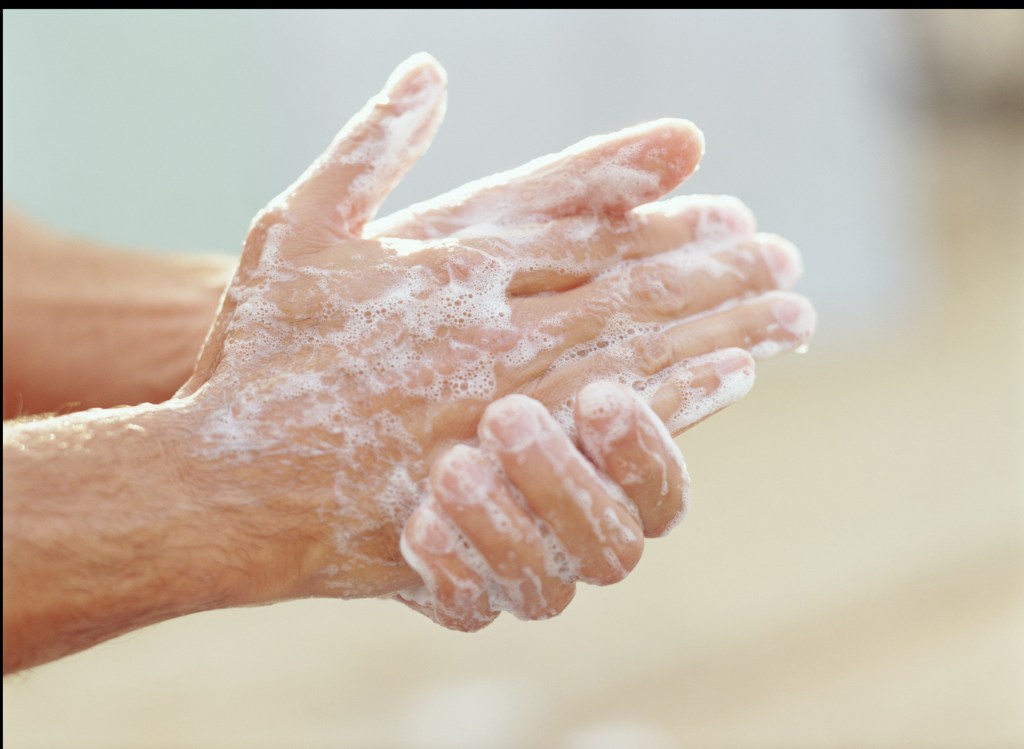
(609, 417)
(795, 321)
(358, 357)
(613, 181)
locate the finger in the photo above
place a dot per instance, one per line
(708, 219)
(433, 548)
(627, 441)
(699, 388)
(681, 395)
(470, 488)
(765, 326)
(564, 254)
(623, 315)
(670, 287)
(345, 186)
(593, 523)
(599, 175)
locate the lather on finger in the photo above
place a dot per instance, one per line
(681, 395)
(471, 489)
(587, 514)
(628, 315)
(627, 431)
(626, 440)
(599, 175)
(433, 548)
(767, 325)
(346, 185)
(698, 388)
(561, 255)
(670, 287)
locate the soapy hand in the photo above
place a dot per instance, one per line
(477, 541)
(347, 378)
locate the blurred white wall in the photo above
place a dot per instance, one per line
(169, 130)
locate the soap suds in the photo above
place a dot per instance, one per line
(359, 356)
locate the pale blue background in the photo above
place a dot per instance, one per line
(169, 130)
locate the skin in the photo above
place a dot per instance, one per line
(296, 462)
(121, 327)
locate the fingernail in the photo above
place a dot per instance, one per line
(605, 413)
(427, 67)
(463, 477)
(722, 216)
(784, 261)
(512, 423)
(734, 360)
(428, 531)
(601, 400)
(797, 316)
(735, 370)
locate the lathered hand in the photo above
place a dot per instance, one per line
(347, 358)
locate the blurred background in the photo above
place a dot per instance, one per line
(852, 570)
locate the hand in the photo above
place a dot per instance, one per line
(347, 359)
(344, 361)
(513, 524)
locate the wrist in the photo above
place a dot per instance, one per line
(269, 542)
(281, 507)
(105, 531)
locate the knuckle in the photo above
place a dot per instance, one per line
(556, 598)
(462, 620)
(629, 554)
(477, 622)
(723, 217)
(596, 308)
(265, 220)
(646, 291)
(661, 289)
(462, 599)
(459, 266)
(617, 560)
(468, 263)
(651, 353)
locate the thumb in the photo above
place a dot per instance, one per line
(345, 186)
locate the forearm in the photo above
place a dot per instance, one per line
(106, 531)
(92, 326)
